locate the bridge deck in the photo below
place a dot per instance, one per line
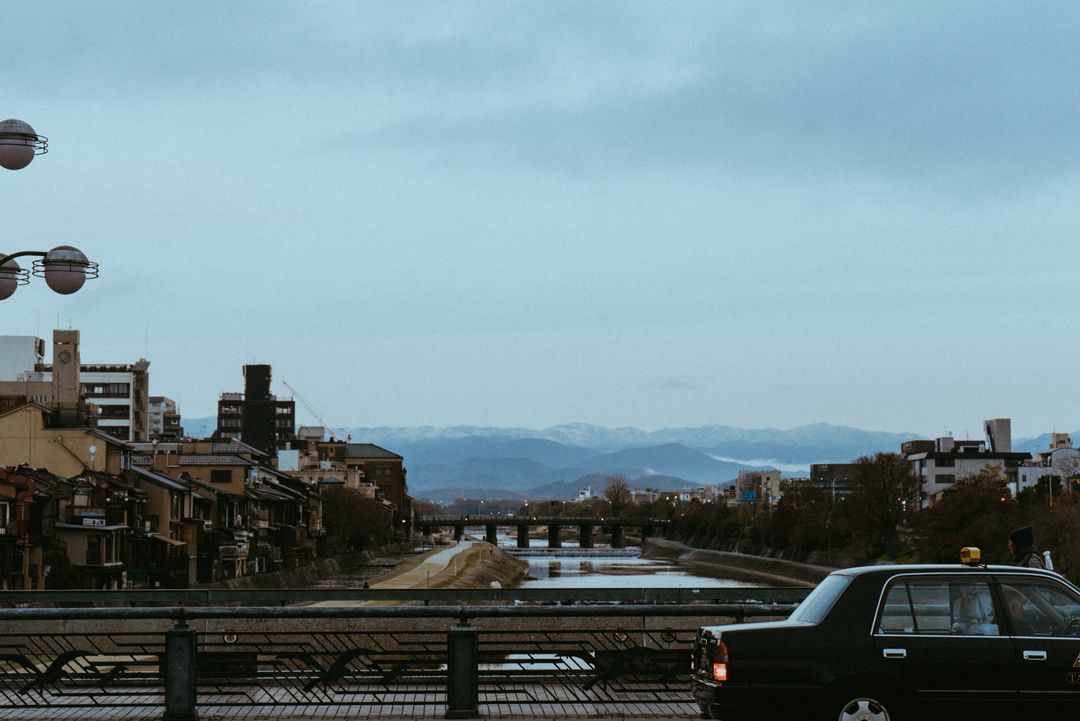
(399, 708)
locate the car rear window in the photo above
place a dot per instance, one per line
(821, 599)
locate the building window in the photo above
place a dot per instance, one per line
(944, 478)
(221, 476)
(946, 462)
(5, 516)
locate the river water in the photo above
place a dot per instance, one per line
(604, 567)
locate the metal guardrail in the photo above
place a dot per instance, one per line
(461, 661)
(438, 596)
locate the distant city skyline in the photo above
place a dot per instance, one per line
(622, 213)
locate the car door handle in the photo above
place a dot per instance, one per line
(1034, 655)
(895, 653)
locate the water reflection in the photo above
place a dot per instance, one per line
(615, 572)
(593, 569)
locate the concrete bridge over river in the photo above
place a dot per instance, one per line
(586, 526)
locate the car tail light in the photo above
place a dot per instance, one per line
(720, 662)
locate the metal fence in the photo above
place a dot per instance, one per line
(405, 661)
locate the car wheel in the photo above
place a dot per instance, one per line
(868, 707)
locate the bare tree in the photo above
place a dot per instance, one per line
(617, 492)
(886, 497)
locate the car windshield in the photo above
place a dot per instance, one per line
(821, 599)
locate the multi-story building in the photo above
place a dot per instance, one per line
(88, 523)
(121, 395)
(164, 419)
(316, 461)
(113, 397)
(1060, 462)
(256, 416)
(940, 462)
(758, 486)
(386, 470)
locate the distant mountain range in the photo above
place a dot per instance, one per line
(491, 462)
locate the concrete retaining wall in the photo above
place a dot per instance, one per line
(494, 566)
(740, 566)
(305, 576)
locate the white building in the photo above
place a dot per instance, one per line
(938, 463)
(19, 354)
(1061, 461)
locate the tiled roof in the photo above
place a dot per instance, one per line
(368, 450)
(234, 445)
(213, 459)
(159, 479)
(195, 459)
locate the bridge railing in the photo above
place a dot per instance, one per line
(426, 596)
(460, 661)
(481, 519)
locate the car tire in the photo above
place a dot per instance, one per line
(861, 706)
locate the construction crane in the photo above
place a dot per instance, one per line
(313, 412)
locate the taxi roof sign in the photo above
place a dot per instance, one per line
(970, 555)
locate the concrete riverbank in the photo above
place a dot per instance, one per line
(738, 566)
(469, 564)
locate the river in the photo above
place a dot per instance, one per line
(604, 567)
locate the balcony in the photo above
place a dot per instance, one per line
(232, 553)
(96, 516)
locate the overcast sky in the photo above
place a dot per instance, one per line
(648, 214)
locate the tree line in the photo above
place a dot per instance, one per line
(883, 519)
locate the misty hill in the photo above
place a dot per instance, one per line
(814, 443)
(803, 445)
(672, 459)
(537, 450)
(511, 474)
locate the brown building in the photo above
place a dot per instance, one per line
(386, 470)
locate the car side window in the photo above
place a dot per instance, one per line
(914, 606)
(896, 615)
(973, 612)
(937, 607)
(1041, 608)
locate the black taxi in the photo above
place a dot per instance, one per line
(907, 643)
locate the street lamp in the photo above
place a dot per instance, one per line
(19, 144)
(64, 269)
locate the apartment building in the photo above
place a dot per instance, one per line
(938, 463)
(256, 416)
(164, 419)
(758, 486)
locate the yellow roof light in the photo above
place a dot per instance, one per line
(970, 555)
